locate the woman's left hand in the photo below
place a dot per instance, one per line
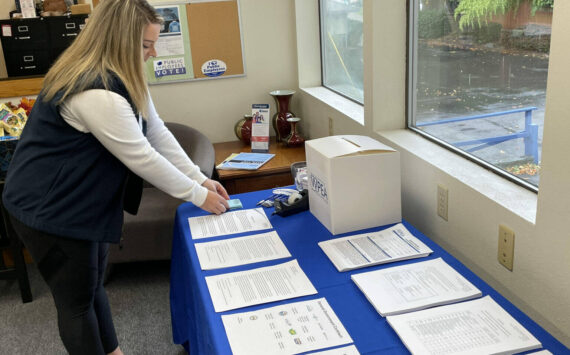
(216, 187)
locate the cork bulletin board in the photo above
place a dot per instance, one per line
(200, 39)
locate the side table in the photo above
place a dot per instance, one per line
(276, 172)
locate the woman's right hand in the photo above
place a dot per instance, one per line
(215, 203)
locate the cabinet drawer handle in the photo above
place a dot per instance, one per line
(69, 35)
(28, 58)
(69, 25)
(24, 38)
(30, 67)
(23, 29)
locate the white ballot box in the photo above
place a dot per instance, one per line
(354, 182)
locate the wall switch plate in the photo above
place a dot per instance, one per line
(506, 246)
(442, 195)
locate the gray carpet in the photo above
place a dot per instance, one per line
(138, 294)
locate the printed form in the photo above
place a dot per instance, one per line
(368, 249)
(228, 223)
(267, 284)
(241, 251)
(412, 287)
(286, 329)
(474, 327)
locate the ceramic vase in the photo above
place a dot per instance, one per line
(242, 129)
(294, 138)
(279, 120)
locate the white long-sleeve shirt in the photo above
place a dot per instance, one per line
(157, 158)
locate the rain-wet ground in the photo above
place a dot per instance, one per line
(455, 83)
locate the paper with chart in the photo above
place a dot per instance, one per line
(474, 327)
(257, 286)
(412, 287)
(285, 329)
(228, 223)
(374, 248)
(241, 251)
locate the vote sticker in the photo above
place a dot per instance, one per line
(214, 67)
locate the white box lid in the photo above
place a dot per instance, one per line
(346, 145)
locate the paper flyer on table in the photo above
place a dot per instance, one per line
(267, 284)
(414, 286)
(285, 329)
(241, 251)
(374, 248)
(212, 225)
(473, 327)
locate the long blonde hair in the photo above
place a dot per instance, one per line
(111, 42)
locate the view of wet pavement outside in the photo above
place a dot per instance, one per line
(484, 69)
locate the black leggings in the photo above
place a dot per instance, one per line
(73, 270)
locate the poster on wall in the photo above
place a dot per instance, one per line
(199, 39)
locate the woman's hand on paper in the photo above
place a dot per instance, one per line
(216, 187)
(216, 201)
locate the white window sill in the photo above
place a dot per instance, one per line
(511, 196)
(343, 105)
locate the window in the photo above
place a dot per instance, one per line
(478, 75)
(341, 47)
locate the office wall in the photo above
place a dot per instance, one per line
(478, 200)
(214, 106)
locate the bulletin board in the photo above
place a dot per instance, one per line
(200, 39)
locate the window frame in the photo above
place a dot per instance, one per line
(413, 11)
(321, 49)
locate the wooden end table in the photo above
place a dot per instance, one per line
(274, 173)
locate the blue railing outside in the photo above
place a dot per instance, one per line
(529, 134)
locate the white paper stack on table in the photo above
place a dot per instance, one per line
(241, 251)
(474, 327)
(368, 249)
(233, 222)
(285, 329)
(412, 287)
(262, 285)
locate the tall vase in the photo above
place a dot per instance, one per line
(279, 120)
(294, 138)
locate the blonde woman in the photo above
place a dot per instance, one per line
(92, 135)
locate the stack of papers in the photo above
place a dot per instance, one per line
(285, 329)
(245, 161)
(241, 251)
(414, 286)
(368, 249)
(475, 327)
(228, 223)
(266, 284)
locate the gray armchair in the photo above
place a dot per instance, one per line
(148, 235)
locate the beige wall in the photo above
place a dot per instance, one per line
(478, 200)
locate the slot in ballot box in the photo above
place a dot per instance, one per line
(354, 182)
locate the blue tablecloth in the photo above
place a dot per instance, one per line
(199, 329)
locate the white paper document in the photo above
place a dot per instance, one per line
(412, 287)
(257, 286)
(474, 327)
(228, 223)
(286, 329)
(241, 251)
(367, 249)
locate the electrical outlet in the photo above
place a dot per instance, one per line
(331, 131)
(506, 246)
(442, 195)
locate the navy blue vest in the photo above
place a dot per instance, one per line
(65, 182)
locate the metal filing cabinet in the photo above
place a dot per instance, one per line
(31, 45)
